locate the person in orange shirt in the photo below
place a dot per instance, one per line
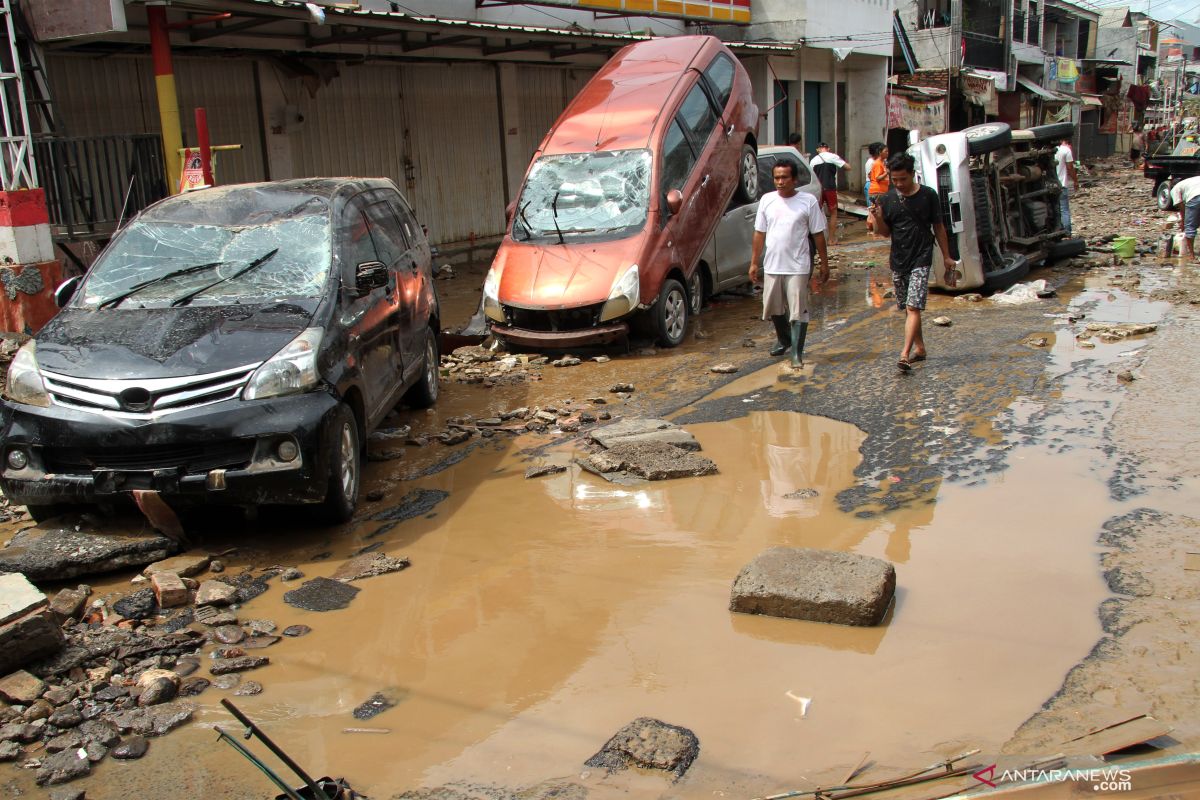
(878, 182)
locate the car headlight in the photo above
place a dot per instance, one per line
(491, 295)
(625, 295)
(290, 371)
(25, 383)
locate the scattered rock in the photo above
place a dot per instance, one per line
(368, 566)
(373, 496)
(190, 687)
(169, 590)
(248, 689)
(1125, 376)
(378, 703)
(224, 666)
(227, 681)
(68, 793)
(970, 297)
(10, 751)
(1037, 341)
(944, 322)
(62, 768)
(566, 361)
(228, 634)
(648, 743)
(65, 717)
(653, 461)
(186, 565)
(259, 642)
(625, 388)
(724, 368)
(130, 748)
(215, 593)
(601, 359)
(817, 585)
(56, 551)
(544, 469)
(216, 567)
(29, 630)
(69, 603)
(21, 688)
(296, 630)
(71, 740)
(158, 686)
(140, 605)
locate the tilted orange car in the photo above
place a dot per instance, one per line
(621, 197)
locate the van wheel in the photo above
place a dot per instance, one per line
(695, 289)
(1163, 195)
(345, 467)
(424, 393)
(747, 188)
(671, 313)
(987, 137)
(1054, 132)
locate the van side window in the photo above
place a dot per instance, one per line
(720, 78)
(407, 221)
(385, 231)
(697, 117)
(355, 245)
(766, 175)
(677, 159)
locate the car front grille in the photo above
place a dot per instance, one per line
(193, 458)
(149, 398)
(569, 319)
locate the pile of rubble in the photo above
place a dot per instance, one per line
(106, 677)
(474, 364)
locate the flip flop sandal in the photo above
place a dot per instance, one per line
(904, 365)
(915, 359)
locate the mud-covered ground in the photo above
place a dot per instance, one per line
(1036, 484)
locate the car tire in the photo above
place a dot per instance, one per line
(45, 512)
(983, 208)
(1162, 195)
(345, 466)
(1016, 266)
(987, 137)
(1054, 132)
(671, 313)
(1065, 248)
(747, 187)
(424, 393)
(695, 290)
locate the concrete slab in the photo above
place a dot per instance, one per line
(648, 743)
(55, 551)
(29, 638)
(816, 585)
(652, 461)
(18, 597)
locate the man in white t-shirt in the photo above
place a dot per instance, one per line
(784, 222)
(1064, 165)
(825, 165)
(1185, 198)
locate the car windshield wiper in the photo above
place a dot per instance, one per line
(554, 211)
(525, 220)
(253, 265)
(117, 299)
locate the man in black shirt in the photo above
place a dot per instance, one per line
(825, 165)
(911, 215)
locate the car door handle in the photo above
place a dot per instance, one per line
(704, 182)
(729, 130)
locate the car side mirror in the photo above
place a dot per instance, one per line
(674, 201)
(66, 290)
(370, 275)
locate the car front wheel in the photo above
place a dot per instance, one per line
(345, 467)
(424, 392)
(1163, 195)
(671, 313)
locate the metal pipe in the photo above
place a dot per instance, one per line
(317, 791)
(253, 759)
(205, 147)
(168, 102)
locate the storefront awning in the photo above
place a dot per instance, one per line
(1092, 101)
(1105, 62)
(1044, 94)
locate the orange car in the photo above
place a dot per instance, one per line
(623, 194)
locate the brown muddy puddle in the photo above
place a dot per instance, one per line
(540, 616)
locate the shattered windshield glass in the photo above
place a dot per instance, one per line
(584, 193)
(151, 249)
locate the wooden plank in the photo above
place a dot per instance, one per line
(1118, 735)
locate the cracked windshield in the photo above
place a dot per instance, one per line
(584, 193)
(158, 263)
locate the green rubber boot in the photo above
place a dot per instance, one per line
(783, 332)
(799, 332)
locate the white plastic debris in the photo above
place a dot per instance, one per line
(1020, 293)
(804, 702)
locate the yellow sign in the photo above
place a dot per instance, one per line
(709, 10)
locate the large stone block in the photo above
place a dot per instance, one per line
(56, 551)
(641, 431)
(816, 585)
(28, 638)
(18, 597)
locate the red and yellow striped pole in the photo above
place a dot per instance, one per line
(168, 103)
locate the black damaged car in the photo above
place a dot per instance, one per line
(232, 346)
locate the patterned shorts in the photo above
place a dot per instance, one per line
(911, 288)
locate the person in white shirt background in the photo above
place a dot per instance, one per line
(825, 164)
(1185, 198)
(782, 227)
(1064, 165)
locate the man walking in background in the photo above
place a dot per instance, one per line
(825, 164)
(782, 227)
(1064, 165)
(911, 215)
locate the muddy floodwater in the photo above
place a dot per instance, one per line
(540, 616)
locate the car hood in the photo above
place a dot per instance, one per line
(167, 342)
(554, 276)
